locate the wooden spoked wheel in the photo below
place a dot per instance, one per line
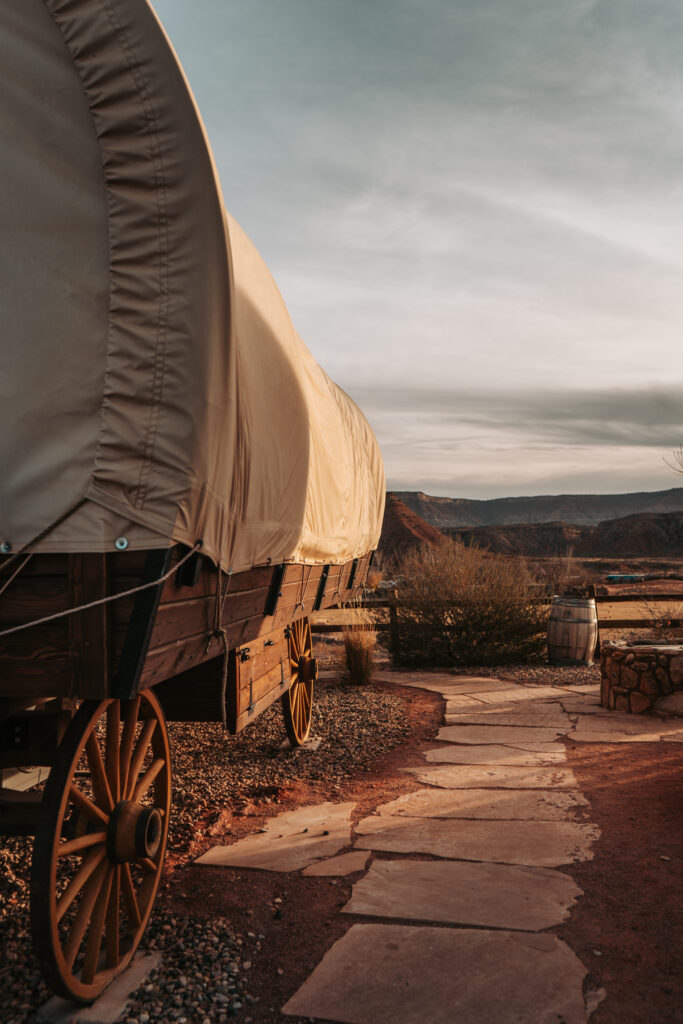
(100, 845)
(297, 702)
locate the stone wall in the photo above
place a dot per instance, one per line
(635, 677)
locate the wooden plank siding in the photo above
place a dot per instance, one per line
(78, 656)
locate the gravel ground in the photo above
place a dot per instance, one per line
(205, 971)
(214, 771)
(538, 675)
(205, 964)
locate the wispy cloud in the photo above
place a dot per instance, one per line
(474, 213)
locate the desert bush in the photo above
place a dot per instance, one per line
(462, 606)
(557, 572)
(663, 618)
(359, 647)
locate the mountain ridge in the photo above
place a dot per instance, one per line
(403, 529)
(647, 534)
(572, 509)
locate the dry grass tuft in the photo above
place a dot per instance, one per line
(359, 646)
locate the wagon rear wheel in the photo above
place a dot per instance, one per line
(297, 702)
(100, 845)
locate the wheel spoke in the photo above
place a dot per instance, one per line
(72, 890)
(306, 700)
(139, 756)
(84, 913)
(96, 931)
(85, 804)
(148, 865)
(81, 843)
(112, 922)
(127, 740)
(112, 748)
(147, 779)
(99, 776)
(129, 897)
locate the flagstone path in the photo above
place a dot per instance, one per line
(468, 866)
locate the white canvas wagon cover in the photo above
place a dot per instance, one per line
(149, 364)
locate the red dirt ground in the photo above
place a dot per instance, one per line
(631, 913)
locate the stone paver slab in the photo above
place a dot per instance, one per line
(110, 1006)
(509, 804)
(336, 867)
(624, 729)
(585, 690)
(393, 974)
(585, 707)
(534, 843)
(521, 694)
(290, 841)
(494, 777)
(535, 716)
(439, 680)
(488, 895)
(312, 743)
(525, 755)
(510, 734)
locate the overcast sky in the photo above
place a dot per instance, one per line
(474, 211)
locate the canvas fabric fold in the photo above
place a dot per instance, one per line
(150, 364)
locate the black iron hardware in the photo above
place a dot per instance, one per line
(275, 591)
(188, 574)
(321, 588)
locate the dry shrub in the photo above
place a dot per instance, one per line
(558, 571)
(461, 606)
(359, 646)
(375, 573)
(663, 618)
(374, 578)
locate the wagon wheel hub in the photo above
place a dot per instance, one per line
(134, 832)
(308, 669)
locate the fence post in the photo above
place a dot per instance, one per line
(393, 611)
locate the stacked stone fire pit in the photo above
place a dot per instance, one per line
(637, 675)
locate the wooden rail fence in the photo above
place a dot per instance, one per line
(648, 622)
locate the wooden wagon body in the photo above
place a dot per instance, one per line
(162, 634)
(181, 484)
(68, 687)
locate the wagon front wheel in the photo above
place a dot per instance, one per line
(297, 702)
(100, 845)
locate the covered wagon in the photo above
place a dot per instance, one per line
(181, 485)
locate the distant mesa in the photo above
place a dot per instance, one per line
(403, 529)
(647, 535)
(578, 509)
(639, 525)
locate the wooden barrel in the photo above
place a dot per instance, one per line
(572, 631)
